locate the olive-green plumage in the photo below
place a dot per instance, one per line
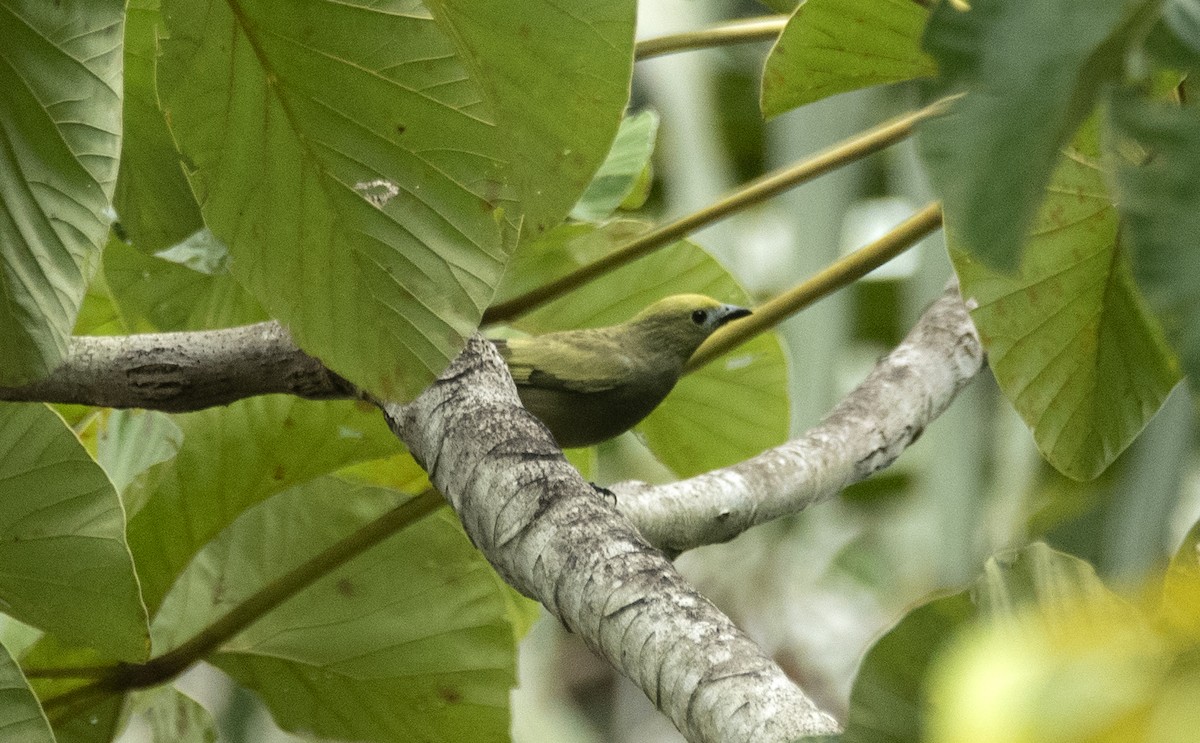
(590, 385)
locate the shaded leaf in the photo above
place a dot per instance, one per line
(166, 294)
(97, 719)
(21, 717)
(153, 200)
(62, 538)
(834, 46)
(1159, 198)
(60, 137)
(232, 458)
(412, 640)
(1018, 63)
(1068, 337)
(174, 717)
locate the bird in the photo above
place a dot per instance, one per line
(590, 385)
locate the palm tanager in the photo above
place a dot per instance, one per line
(590, 385)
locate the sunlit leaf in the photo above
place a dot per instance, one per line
(62, 538)
(833, 46)
(133, 441)
(890, 699)
(60, 138)
(557, 73)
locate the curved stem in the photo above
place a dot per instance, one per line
(833, 277)
(162, 668)
(756, 191)
(765, 28)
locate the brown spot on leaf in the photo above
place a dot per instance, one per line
(279, 473)
(450, 694)
(346, 587)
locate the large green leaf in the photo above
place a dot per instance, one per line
(167, 294)
(154, 203)
(1031, 73)
(1159, 197)
(232, 458)
(21, 717)
(62, 538)
(352, 167)
(832, 46)
(1068, 337)
(729, 410)
(558, 74)
(60, 137)
(412, 640)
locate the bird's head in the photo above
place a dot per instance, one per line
(685, 320)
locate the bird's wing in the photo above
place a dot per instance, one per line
(574, 362)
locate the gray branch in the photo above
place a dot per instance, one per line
(559, 540)
(178, 372)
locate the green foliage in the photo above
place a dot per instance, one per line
(834, 46)
(154, 203)
(60, 135)
(21, 717)
(232, 458)
(366, 636)
(62, 538)
(1061, 332)
(1031, 73)
(1160, 201)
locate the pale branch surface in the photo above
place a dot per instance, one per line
(559, 540)
(864, 433)
(178, 372)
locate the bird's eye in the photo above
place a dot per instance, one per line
(699, 316)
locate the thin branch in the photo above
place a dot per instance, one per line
(839, 274)
(755, 192)
(765, 28)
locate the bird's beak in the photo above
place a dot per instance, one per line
(731, 312)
